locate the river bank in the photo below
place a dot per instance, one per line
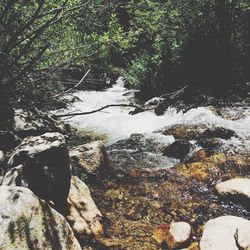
(121, 181)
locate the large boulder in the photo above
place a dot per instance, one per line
(226, 233)
(26, 222)
(36, 122)
(83, 215)
(90, 159)
(46, 167)
(235, 187)
(174, 235)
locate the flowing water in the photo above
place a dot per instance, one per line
(117, 124)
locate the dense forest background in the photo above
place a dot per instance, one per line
(157, 45)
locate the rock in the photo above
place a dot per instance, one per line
(1, 156)
(46, 167)
(185, 132)
(236, 186)
(140, 153)
(210, 144)
(174, 235)
(219, 132)
(30, 223)
(136, 111)
(29, 123)
(8, 140)
(83, 215)
(226, 233)
(153, 101)
(179, 149)
(15, 177)
(90, 158)
(199, 155)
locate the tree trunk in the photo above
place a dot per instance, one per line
(6, 106)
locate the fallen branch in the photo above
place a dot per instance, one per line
(100, 109)
(69, 90)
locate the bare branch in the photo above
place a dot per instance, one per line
(69, 90)
(100, 109)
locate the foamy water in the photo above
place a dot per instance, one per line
(117, 124)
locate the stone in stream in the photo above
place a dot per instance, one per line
(226, 233)
(219, 132)
(90, 159)
(83, 215)
(26, 222)
(179, 149)
(174, 235)
(236, 186)
(46, 167)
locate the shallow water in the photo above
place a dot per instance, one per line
(117, 124)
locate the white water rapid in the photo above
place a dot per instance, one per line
(117, 124)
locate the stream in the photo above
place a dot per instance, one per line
(117, 124)
(151, 188)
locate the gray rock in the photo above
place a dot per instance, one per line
(179, 149)
(226, 233)
(29, 123)
(14, 177)
(90, 158)
(27, 222)
(46, 167)
(83, 215)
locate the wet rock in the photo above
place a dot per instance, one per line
(153, 101)
(226, 233)
(83, 215)
(204, 170)
(185, 132)
(174, 235)
(140, 153)
(210, 144)
(90, 158)
(46, 167)
(8, 140)
(219, 132)
(236, 186)
(29, 123)
(136, 111)
(179, 149)
(30, 223)
(198, 155)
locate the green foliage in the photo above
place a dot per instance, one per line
(157, 45)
